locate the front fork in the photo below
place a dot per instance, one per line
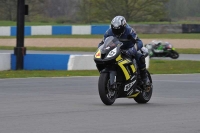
(113, 75)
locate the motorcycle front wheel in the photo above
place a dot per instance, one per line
(174, 55)
(107, 95)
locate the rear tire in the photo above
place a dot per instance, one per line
(107, 96)
(144, 96)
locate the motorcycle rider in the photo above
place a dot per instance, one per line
(132, 43)
(156, 44)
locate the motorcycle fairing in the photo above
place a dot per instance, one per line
(129, 72)
(122, 63)
(98, 54)
(127, 89)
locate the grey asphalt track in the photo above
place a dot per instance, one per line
(72, 105)
(194, 57)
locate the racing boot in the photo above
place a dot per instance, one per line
(144, 78)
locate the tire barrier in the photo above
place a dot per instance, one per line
(55, 30)
(99, 29)
(51, 62)
(191, 28)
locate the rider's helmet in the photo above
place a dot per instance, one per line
(168, 45)
(118, 25)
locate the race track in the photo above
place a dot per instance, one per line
(72, 105)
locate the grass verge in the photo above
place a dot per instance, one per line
(142, 36)
(188, 51)
(46, 73)
(89, 49)
(13, 23)
(156, 67)
(174, 66)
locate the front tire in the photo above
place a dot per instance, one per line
(107, 96)
(174, 55)
(145, 96)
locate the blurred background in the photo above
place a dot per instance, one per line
(102, 11)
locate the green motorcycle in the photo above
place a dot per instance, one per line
(162, 50)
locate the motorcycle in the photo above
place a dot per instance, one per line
(162, 50)
(119, 74)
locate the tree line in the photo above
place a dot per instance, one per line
(101, 11)
(183, 9)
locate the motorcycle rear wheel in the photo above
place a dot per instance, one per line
(145, 96)
(107, 96)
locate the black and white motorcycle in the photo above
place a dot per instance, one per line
(119, 74)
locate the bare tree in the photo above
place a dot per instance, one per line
(8, 9)
(65, 9)
(182, 9)
(133, 10)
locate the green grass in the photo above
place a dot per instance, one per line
(174, 67)
(156, 67)
(8, 23)
(142, 36)
(13, 23)
(170, 36)
(166, 22)
(89, 49)
(46, 73)
(188, 51)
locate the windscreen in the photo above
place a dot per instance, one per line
(110, 43)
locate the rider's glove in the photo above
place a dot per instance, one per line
(144, 51)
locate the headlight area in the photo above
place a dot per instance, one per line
(112, 53)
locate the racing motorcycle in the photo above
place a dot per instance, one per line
(162, 50)
(119, 74)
